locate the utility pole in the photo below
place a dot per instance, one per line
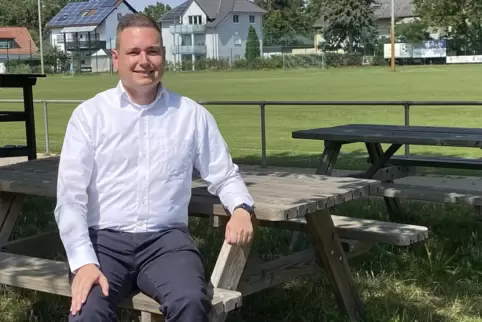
(393, 35)
(40, 36)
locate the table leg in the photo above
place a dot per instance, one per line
(29, 122)
(10, 208)
(228, 270)
(328, 158)
(332, 257)
(378, 158)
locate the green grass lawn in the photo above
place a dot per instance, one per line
(439, 280)
(241, 124)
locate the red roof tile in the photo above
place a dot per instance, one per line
(4, 34)
(21, 37)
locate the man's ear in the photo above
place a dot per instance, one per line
(115, 57)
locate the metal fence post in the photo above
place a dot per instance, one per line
(46, 129)
(263, 135)
(406, 107)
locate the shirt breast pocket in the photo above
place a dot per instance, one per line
(175, 158)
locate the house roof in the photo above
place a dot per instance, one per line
(403, 9)
(22, 38)
(216, 10)
(5, 34)
(383, 10)
(87, 13)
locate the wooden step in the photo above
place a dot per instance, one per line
(52, 277)
(431, 193)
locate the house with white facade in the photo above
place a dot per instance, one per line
(216, 29)
(82, 29)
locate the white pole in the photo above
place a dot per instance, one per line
(393, 36)
(40, 36)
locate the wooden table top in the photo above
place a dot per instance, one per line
(395, 134)
(278, 195)
(19, 80)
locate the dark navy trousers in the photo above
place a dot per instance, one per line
(166, 266)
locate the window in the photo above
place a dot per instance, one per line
(235, 18)
(4, 44)
(195, 20)
(88, 12)
(119, 16)
(251, 19)
(237, 39)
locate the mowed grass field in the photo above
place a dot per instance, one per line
(439, 280)
(241, 124)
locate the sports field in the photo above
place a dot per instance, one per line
(240, 124)
(440, 280)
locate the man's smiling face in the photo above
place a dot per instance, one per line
(139, 57)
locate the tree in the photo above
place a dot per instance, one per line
(252, 45)
(412, 32)
(24, 13)
(156, 11)
(284, 21)
(54, 57)
(461, 20)
(346, 20)
(276, 30)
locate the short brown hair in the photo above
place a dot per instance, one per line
(135, 20)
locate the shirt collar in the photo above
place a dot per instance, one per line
(125, 99)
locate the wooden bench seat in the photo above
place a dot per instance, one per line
(439, 161)
(50, 276)
(431, 193)
(365, 230)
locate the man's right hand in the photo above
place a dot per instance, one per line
(84, 279)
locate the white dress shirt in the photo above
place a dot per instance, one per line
(128, 167)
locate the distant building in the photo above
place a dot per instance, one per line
(84, 30)
(16, 44)
(218, 29)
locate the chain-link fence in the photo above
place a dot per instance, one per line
(63, 56)
(227, 51)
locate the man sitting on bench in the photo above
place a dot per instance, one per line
(124, 186)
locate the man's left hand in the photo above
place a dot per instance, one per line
(239, 229)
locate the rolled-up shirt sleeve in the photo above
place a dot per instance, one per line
(215, 165)
(74, 175)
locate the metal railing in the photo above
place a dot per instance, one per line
(262, 106)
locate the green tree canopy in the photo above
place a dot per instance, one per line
(252, 45)
(156, 11)
(346, 22)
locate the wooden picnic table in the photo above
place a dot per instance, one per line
(26, 83)
(385, 165)
(287, 201)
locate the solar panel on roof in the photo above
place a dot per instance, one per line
(109, 3)
(71, 14)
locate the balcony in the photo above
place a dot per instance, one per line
(187, 29)
(85, 45)
(189, 50)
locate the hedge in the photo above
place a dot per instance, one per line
(279, 62)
